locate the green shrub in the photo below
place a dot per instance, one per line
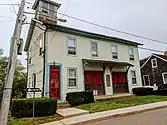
(77, 98)
(24, 107)
(142, 91)
(160, 92)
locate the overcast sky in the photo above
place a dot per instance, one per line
(142, 17)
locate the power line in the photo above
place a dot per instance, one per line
(7, 4)
(148, 49)
(105, 27)
(153, 50)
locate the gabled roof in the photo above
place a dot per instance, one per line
(78, 32)
(29, 35)
(91, 35)
(162, 57)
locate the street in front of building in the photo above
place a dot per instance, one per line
(156, 117)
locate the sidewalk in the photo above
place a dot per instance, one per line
(94, 117)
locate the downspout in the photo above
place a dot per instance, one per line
(44, 65)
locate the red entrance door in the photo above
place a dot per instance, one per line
(55, 82)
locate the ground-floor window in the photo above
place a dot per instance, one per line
(134, 81)
(72, 77)
(164, 76)
(146, 80)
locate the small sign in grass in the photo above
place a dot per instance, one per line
(121, 103)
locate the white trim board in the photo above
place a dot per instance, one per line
(150, 58)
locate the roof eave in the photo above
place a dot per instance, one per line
(49, 1)
(29, 36)
(93, 35)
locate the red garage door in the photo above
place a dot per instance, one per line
(120, 84)
(94, 81)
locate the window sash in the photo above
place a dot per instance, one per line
(94, 49)
(51, 9)
(72, 77)
(72, 82)
(71, 43)
(133, 74)
(131, 54)
(154, 63)
(45, 7)
(114, 52)
(114, 49)
(114, 55)
(94, 46)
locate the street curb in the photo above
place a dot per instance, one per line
(116, 116)
(110, 114)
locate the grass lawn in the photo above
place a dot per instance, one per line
(121, 103)
(30, 121)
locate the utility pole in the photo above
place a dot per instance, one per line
(11, 66)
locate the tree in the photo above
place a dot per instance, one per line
(20, 77)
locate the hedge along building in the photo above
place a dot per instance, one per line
(63, 59)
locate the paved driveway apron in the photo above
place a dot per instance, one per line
(156, 117)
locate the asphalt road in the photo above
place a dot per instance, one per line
(156, 117)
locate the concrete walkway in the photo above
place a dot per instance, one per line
(71, 112)
(94, 117)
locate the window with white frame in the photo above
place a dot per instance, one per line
(114, 52)
(71, 43)
(40, 46)
(72, 77)
(154, 63)
(133, 74)
(48, 8)
(131, 54)
(94, 49)
(164, 76)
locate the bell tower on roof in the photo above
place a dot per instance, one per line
(46, 11)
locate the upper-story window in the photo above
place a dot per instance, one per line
(94, 49)
(40, 46)
(154, 63)
(71, 43)
(133, 74)
(114, 52)
(48, 8)
(131, 54)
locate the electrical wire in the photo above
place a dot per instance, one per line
(153, 50)
(7, 4)
(148, 49)
(105, 27)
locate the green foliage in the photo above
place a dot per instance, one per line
(33, 121)
(121, 103)
(77, 98)
(20, 77)
(141, 91)
(24, 107)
